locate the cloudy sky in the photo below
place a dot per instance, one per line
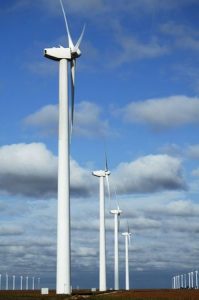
(137, 96)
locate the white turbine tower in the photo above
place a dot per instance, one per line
(182, 281)
(13, 282)
(26, 282)
(116, 213)
(102, 234)
(6, 281)
(21, 282)
(189, 276)
(33, 283)
(127, 236)
(64, 56)
(192, 280)
(185, 281)
(196, 272)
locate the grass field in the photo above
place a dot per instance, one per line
(88, 295)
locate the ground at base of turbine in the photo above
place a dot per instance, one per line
(150, 294)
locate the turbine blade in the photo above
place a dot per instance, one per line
(72, 66)
(118, 223)
(128, 226)
(108, 188)
(129, 237)
(70, 42)
(106, 162)
(80, 39)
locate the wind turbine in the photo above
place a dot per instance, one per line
(185, 281)
(38, 283)
(192, 280)
(6, 281)
(196, 272)
(65, 56)
(26, 282)
(101, 174)
(189, 275)
(127, 236)
(21, 282)
(33, 283)
(182, 282)
(13, 282)
(116, 212)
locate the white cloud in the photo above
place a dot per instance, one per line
(87, 120)
(46, 118)
(149, 174)
(193, 151)
(132, 49)
(163, 112)
(184, 37)
(31, 170)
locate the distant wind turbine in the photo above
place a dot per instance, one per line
(0, 282)
(101, 174)
(13, 282)
(33, 283)
(192, 280)
(182, 283)
(26, 282)
(127, 236)
(196, 272)
(64, 56)
(21, 282)
(6, 281)
(189, 275)
(38, 283)
(116, 212)
(185, 281)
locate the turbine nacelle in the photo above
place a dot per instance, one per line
(126, 233)
(58, 53)
(116, 211)
(101, 173)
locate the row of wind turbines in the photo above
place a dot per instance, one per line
(23, 282)
(183, 281)
(101, 174)
(67, 65)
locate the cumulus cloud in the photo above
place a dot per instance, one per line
(31, 170)
(45, 118)
(87, 120)
(184, 36)
(163, 112)
(180, 208)
(193, 151)
(133, 49)
(149, 174)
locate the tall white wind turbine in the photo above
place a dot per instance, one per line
(116, 212)
(65, 56)
(101, 174)
(127, 236)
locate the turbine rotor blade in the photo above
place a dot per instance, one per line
(70, 42)
(129, 237)
(72, 66)
(108, 188)
(106, 162)
(118, 223)
(79, 40)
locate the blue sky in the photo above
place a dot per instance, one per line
(137, 96)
